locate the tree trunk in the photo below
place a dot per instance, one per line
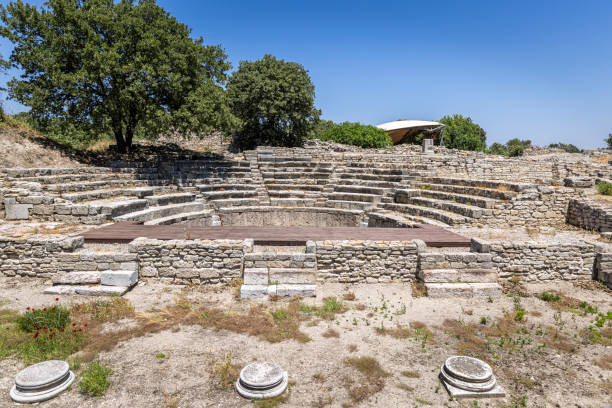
(121, 145)
(129, 135)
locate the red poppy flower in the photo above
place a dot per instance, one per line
(36, 335)
(74, 331)
(73, 324)
(28, 308)
(44, 329)
(61, 330)
(85, 324)
(50, 336)
(56, 299)
(44, 309)
(44, 342)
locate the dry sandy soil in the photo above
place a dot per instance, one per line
(22, 149)
(320, 377)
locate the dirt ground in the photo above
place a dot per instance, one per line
(317, 369)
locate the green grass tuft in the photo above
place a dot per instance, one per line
(95, 379)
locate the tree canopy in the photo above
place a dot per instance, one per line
(462, 133)
(124, 67)
(275, 101)
(609, 140)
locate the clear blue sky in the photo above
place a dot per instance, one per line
(539, 70)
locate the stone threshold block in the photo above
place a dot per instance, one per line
(119, 278)
(96, 290)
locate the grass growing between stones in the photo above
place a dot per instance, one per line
(95, 379)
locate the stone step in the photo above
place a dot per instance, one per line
(281, 276)
(235, 202)
(49, 171)
(74, 177)
(257, 291)
(293, 202)
(119, 278)
(94, 290)
(358, 189)
(446, 217)
(152, 213)
(467, 190)
(461, 209)
(368, 183)
(371, 177)
(166, 199)
(139, 192)
(350, 205)
(119, 208)
(92, 185)
(300, 290)
(76, 278)
(176, 218)
(477, 201)
(489, 184)
(458, 275)
(294, 187)
(229, 194)
(255, 276)
(223, 187)
(364, 198)
(295, 175)
(462, 290)
(294, 194)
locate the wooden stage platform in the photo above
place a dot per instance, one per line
(123, 232)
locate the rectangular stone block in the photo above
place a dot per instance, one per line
(255, 276)
(119, 278)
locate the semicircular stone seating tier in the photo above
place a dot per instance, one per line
(394, 191)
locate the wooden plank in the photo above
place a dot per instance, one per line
(125, 232)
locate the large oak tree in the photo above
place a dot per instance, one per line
(125, 67)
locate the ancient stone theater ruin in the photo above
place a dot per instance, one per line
(287, 220)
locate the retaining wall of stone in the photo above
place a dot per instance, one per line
(589, 215)
(36, 257)
(540, 261)
(190, 261)
(366, 261)
(603, 268)
(287, 217)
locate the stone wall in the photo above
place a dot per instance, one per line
(540, 261)
(589, 215)
(190, 261)
(287, 217)
(37, 257)
(603, 268)
(366, 261)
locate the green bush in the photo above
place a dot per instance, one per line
(516, 150)
(95, 379)
(274, 99)
(463, 134)
(604, 188)
(609, 140)
(498, 148)
(357, 134)
(568, 148)
(55, 317)
(550, 297)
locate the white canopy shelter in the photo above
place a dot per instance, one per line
(401, 129)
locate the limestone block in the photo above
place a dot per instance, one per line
(119, 278)
(14, 211)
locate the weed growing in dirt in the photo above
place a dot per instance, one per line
(103, 311)
(95, 379)
(224, 372)
(374, 378)
(550, 297)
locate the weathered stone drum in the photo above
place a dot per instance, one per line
(468, 377)
(262, 380)
(42, 381)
